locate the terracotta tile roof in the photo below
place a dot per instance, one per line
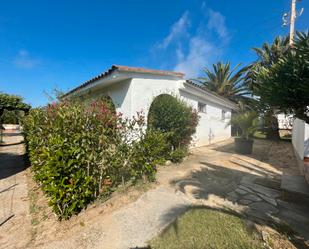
(147, 71)
(125, 69)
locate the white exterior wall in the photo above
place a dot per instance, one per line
(137, 93)
(120, 93)
(144, 90)
(211, 128)
(300, 138)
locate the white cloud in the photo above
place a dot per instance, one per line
(25, 60)
(203, 47)
(178, 29)
(200, 51)
(189, 49)
(216, 22)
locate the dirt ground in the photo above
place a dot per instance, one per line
(15, 232)
(46, 228)
(214, 176)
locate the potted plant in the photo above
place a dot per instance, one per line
(247, 123)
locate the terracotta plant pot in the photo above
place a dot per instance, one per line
(243, 145)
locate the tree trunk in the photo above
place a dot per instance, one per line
(272, 126)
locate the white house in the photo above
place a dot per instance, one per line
(133, 89)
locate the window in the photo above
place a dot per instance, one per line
(223, 114)
(202, 107)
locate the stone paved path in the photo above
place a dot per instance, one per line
(14, 205)
(248, 184)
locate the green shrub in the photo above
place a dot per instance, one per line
(177, 155)
(79, 152)
(150, 151)
(10, 117)
(178, 121)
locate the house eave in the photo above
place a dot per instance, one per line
(208, 96)
(117, 73)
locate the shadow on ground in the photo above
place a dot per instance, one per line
(11, 164)
(11, 155)
(252, 189)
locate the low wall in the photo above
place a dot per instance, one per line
(300, 140)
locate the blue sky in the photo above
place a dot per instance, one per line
(58, 44)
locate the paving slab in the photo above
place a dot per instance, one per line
(244, 202)
(295, 184)
(252, 197)
(241, 191)
(261, 210)
(263, 190)
(270, 200)
(246, 189)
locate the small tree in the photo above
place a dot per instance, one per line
(10, 117)
(12, 102)
(285, 85)
(267, 55)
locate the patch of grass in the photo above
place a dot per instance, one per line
(201, 228)
(33, 196)
(34, 222)
(142, 186)
(34, 208)
(260, 135)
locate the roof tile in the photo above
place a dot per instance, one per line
(125, 69)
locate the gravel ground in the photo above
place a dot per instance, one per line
(132, 225)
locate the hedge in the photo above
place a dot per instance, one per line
(80, 152)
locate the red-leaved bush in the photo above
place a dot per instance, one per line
(79, 152)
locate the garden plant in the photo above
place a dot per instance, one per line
(173, 117)
(80, 152)
(247, 122)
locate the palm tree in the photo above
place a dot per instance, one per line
(269, 54)
(229, 83)
(225, 81)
